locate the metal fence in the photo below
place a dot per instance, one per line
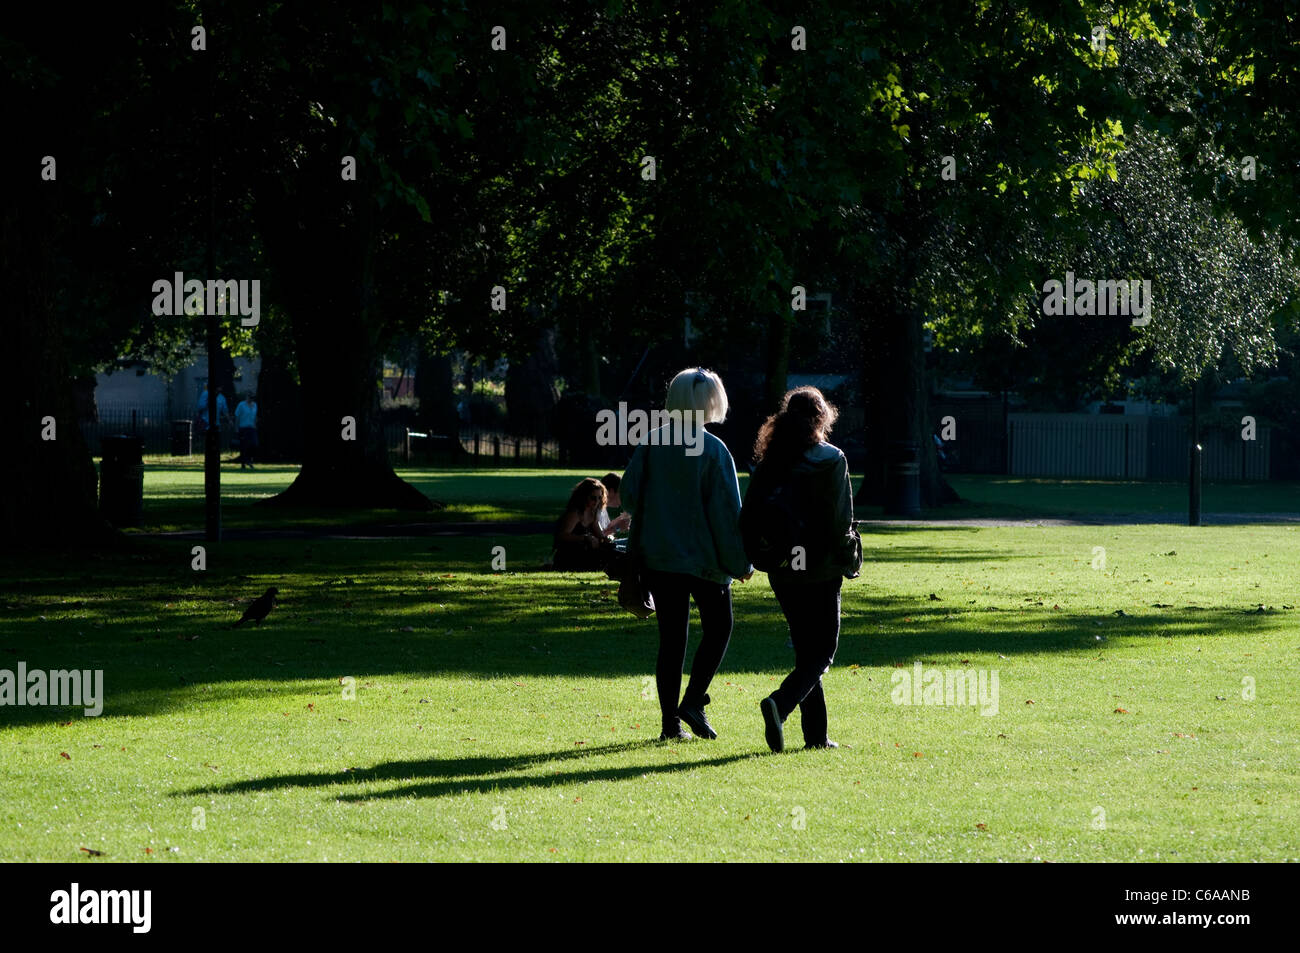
(1128, 447)
(161, 432)
(477, 448)
(163, 435)
(980, 445)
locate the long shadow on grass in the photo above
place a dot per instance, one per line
(458, 775)
(412, 610)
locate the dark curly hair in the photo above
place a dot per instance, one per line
(585, 492)
(804, 420)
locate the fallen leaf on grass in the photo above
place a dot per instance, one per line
(64, 754)
(93, 853)
(1121, 711)
(982, 827)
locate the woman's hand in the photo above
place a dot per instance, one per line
(747, 576)
(623, 521)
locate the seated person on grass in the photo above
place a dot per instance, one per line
(609, 527)
(578, 539)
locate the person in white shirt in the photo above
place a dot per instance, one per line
(246, 421)
(607, 526)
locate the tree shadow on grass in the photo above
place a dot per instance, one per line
(160, 631)
(440, 777)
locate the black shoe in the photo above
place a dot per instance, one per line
(772, 724)
(680, 735)
(822, 744)
(694, 716)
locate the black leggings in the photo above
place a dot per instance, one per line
(813, 611)
(672, 594)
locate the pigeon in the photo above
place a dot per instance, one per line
(258, 608)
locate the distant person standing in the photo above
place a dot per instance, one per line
(246, 421)
(223, 410)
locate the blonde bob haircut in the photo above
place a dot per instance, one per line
(700, 391)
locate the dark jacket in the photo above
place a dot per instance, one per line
(822, 473)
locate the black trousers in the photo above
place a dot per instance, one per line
(813, 611)
(673, 593)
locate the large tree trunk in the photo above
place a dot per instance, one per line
(894, 391)
(279, 414)
(531, 394)
(48, 487)
(778, 360)
(435, 389)
(323, 260)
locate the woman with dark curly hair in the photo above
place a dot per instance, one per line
(577, 533)
(793, 456)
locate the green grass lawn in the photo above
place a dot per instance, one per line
(510, 716)
(174, 497)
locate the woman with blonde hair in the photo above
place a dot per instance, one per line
(685, 484)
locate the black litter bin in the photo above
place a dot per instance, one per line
(121, 480)
(182, 438)
(903, 486)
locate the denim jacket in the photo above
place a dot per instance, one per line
(691, 518)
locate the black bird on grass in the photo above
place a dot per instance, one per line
(258, 608)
